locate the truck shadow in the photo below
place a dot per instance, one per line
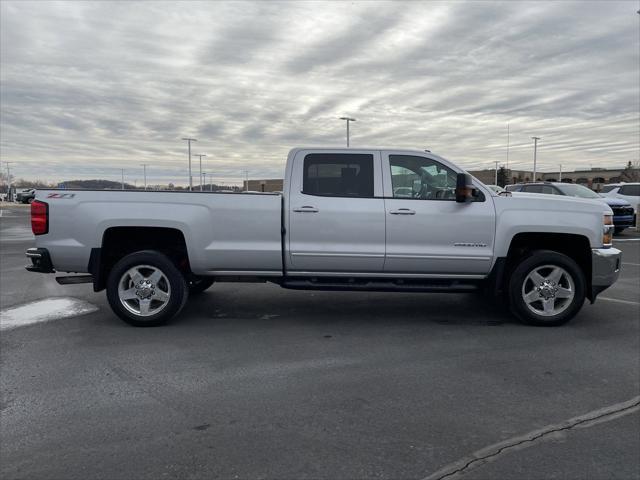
(273, 304)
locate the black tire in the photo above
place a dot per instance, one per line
(567, 309)
(198, 285)
(618, 230)
(177, 297)
(30, 200)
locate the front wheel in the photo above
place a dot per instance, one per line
(546, 289)
(146, 289)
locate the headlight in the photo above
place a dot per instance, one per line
(607, 231)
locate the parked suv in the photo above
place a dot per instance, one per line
(626, 191)
(622, 210)
(26, 196)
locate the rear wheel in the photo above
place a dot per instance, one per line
(618, 230)
(146, 289)
(547, 289)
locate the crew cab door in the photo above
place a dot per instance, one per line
(428, 232)
(336, 217)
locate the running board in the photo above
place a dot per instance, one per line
(74, 279)
(381, 285)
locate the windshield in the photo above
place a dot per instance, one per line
(577, 191)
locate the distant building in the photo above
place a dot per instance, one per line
(266, 185)
(593, 178)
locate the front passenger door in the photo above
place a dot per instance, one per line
(428, 232)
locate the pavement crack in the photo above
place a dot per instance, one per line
(494, 451)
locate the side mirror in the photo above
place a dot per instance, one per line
(465, 191)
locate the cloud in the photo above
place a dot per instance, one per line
(88, 88)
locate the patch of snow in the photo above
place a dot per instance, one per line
(44, 311)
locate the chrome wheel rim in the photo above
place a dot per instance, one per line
(144, 290)
(548, 290)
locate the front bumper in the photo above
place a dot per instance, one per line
(605, 268)
(40, 260)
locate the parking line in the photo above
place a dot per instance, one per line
(626, 240)
(629, 263)
(628, 302)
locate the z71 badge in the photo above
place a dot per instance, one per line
(61, 195)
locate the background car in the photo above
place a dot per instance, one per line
(627, 191)
(623, 211)
(496, 188)
(26, 196)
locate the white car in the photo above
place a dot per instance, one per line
(627, 191)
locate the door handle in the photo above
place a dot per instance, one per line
(402, 211)
(306, 209)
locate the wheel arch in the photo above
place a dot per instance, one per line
(120, 241)
(575, 246)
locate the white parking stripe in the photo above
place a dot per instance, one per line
(626, 240)
(617, 300)
(629, 263)
(43, 311)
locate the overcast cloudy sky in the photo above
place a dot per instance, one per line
(88, 88)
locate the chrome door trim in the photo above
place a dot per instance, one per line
(439, 257)
(347, 255)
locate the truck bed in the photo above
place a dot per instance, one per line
(224, 232)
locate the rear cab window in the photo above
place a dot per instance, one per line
(338, 175)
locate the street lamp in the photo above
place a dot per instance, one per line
(200, 155)
(535, 155)
(246, 174)
(189, 140)
(203, 177)
(144, 167)
(348, 119)
(122, 172)
(9, 196)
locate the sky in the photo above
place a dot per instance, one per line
(89, 88)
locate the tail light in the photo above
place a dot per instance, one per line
(39, 217)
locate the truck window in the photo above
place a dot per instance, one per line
(338, 175)
(421, 178)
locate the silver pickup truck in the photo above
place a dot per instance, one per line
(349, 219)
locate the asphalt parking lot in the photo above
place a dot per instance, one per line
(253, 381)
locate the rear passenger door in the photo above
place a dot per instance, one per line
(336, 217)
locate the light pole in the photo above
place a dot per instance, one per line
(535, 155)
(203, 179)
(246, 176)
(9, 196)
(122, 172)
(211, 182)
(560, 177)
(508, 141)
(348, 119)
(144, 167)
(496, 182)
(200, 155)
(189, 140)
